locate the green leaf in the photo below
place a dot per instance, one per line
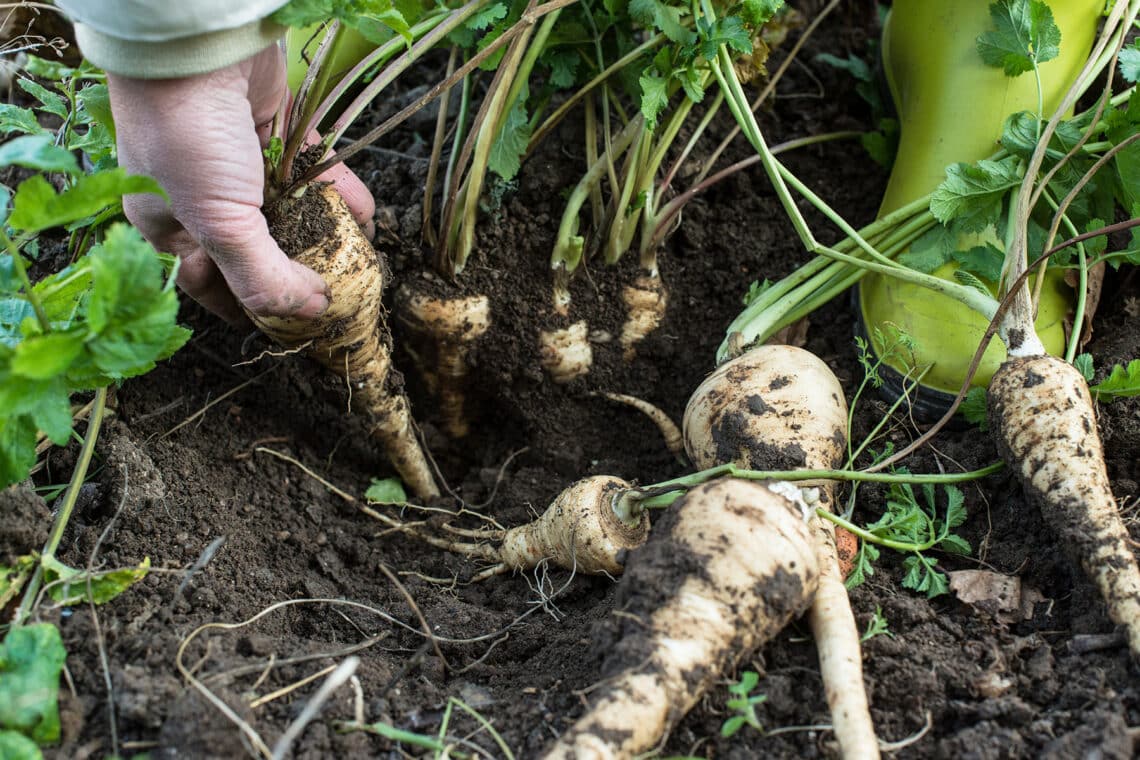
(31, 660)
(654, 98)
(96, 101)
(69, 586)
(21, 120)
(1122, 381)
(563, 68)
(1020, 134)
(386, 491)
(930, 251)
(731, 726)
(1129, 61)
(955, 506)
(41, 357)
(37, 152)
(133, 306)
(45, 401)
(43, 68)
(1084, 365)
(667, 18)
(852, 64)
(953, 544)
(14, 746)
(756, 13)
(985, 261)
(974, 409)
(511, 140)
(728, 31)
(1024, 35)
(37, 207)
(273, 151)
(882, 144)
(17, 447)
(972, 194)
(12, 579)
(970, 280)
(50, 102)
(864, 565)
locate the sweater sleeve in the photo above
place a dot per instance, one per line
(159, 39)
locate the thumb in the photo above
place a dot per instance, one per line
(263, 279)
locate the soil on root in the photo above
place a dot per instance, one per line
(191, 473)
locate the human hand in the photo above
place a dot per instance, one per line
(201, 138)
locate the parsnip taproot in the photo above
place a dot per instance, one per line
(565, 353)
(588, 528)
(1042, 416)
(781, 408)
(645, 301)
(351, 338)
(724, 570)
(450, 326)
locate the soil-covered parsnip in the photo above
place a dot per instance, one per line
(566, 353)
(1041, 412)
(450, 326)
(351, 338)
(725, 569)
(781, 408)
(588, 528)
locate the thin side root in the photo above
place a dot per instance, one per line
(674, 440)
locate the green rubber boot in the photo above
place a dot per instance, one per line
(951, 108)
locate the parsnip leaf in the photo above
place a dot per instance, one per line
(973, 408)
(38, 152)
(16, 119)
(930, 251)
(387, 491)
(654, 97)
(971, 195)
(511, 140)
(728, 31)
(37, 206)
(659, 15)
(369, 17)
(985, 261)
(1123, 381)
(50, 102)
(756, 13)
(1024, 35)
(1129, 61)
(1084, 365)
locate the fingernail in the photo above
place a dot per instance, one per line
(317, 305)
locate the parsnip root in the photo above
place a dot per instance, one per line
(582, 530)
(351, 338)
(645, 302)
(725, 570)
(566, 354)
(452, 325)
(1042, 415)
(670, 433)
(781, 408)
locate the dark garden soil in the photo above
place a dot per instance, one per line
(185, 477)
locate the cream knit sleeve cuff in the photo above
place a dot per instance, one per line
(181, 57)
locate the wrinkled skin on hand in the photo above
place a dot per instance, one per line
(202, 137)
